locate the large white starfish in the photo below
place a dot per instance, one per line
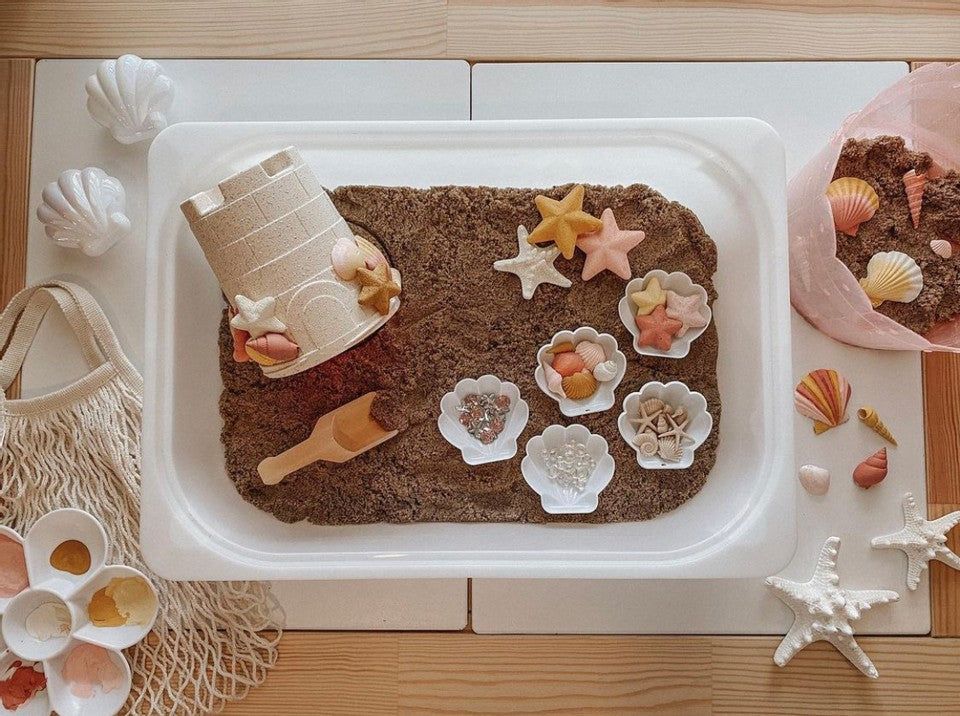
(823, 610)
(257, 317)
(921, 540)
(533, 265)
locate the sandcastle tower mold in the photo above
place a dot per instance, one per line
(268, 231)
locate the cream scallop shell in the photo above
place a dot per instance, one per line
(892, 276)
(852, 201)
(591, 353)
(83, 210)
(647, 444)
(605, 371)
(130, 97)
(670, 450)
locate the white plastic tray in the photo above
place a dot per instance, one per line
(729, 171)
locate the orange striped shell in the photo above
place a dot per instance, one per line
(822, 396)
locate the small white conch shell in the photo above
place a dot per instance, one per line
(892, 276)
(591, 353)
(83, 210)
(605, 371)
(346, 259)
(647, 444)
(815, 480)
(130, 97)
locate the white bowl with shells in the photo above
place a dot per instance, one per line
(581, 370)
(568, 466)
(677, 283)
(665, 423)
(477, 434)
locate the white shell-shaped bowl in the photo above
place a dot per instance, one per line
(130, 96)
(47, 534)
(39, 705)
(678, 282)
(601, 400)
(554, 498)
(676, 394)
(472, 450)
(83, 210)
(66, 703)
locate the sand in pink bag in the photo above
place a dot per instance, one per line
(923, 108)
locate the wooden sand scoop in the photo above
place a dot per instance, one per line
(338, 436)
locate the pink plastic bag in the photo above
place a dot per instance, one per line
(923, 108)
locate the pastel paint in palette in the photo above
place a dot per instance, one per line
(70, 617)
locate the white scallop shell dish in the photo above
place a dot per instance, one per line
(482, 428)
(84, 209)
(604, 377)
(679, 283)
(665, 424)
(568, 466)
(130, 96)
(66, 616)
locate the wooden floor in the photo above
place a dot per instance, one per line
(325, 673)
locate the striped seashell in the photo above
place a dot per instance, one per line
(346, 259)
(271, 349)
(852, 201)
(662, 425)
(652, 406)
(591, 353)
(913, 184)
(605, 371)
(892, 276)
(554, 380)
(372, 256)
(822, 396)
(564, 347)
(871, 471)
(942, 248)
(870, 418)
(647, 444)
(579, 386)
(669, 449)
(567, 363)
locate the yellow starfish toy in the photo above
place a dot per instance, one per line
(649, 298)
(563, 221)
(377, 288)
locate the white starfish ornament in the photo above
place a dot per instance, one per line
(257, 317)
(823, 610)
(533, 265)
(921, 540)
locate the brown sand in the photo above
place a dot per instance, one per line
(458, 319)
(882, 162)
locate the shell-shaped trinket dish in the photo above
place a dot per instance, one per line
(72, 616)
(679, 283)
(556, 498)
(130, 96)
(607, 374)
(472, 450)
(84, 209)
(678, 395)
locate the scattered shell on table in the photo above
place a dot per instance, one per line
(647, 443)
(566, 364)
(579, 385)
(815, 480)
(84, 209)
(670, 449)
(871, 471)
(605, 371)
(913, 185)
(372, 256)
(892, 276)
(852, 202)
(822, 395)
(942, 248)
(271, 349)
(591, 353)
(872, 420)
(130, 97)
(346, 258)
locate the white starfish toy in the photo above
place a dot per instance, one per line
(533, 265)
(921, 540)
(823, 610)
(257, 317)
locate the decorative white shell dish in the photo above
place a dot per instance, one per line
(678, 282)
(46, 621)
(471, 449)
(603, 398)
(130, 96)
(555, 498)
(677, 395)
(84, 209)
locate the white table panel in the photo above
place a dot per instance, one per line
(65, 137)
(805, 102)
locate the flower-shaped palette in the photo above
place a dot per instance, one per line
(66, 615)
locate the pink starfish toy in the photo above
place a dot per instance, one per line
(607, 248)
(657, 330)
(685, 309)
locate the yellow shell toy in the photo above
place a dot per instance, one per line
(892, 276)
